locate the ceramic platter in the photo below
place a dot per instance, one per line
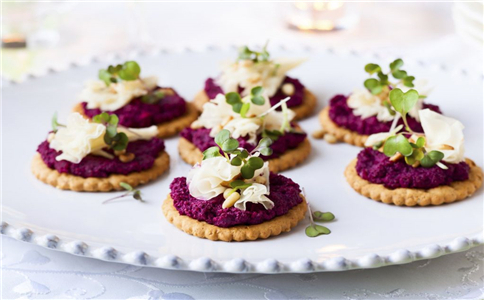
(366, 233)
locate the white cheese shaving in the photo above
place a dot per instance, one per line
(110, 98)
(204, 180)
(441, 130)
(248, 74)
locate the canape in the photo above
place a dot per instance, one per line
(138, 102)
(253, 69)
(351, 119)
(99, 156)
(249, 119)
(416, 168)
(233, 196)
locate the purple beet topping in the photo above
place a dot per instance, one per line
(376, 167)
(212, 90)
(97, 166)
(283, 192)
(343, 116)
(137, 114)
(202, 140)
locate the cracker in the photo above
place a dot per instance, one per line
(238, 233)
(341, 134)
(291, 158)
(456, 191)
(71, 182)
(302, 111)
(165, 129)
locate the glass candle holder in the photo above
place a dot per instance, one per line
(321, 15)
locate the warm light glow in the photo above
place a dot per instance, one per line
(317, 16)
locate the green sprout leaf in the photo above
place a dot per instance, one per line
(323, 216)
(372, 68)
(244, 109)
(420, 142)
(255, 163)
(266, 151)
(246, 53)
(222, 136)
(399, 74)
(431, 158)
(416, 155)
(244, 154)
(54, 122)
(236, 161)
(247, 172)
(105, 76)
(408, 81)
(257, 95)
(126, 186)
(272, 134)
(130, 71)
(239, 184)
(121, 142)
(102, 118)
(396, 144)
(316, 230)
(396, 65)
(373, 86)
(232, 98)
(230, 145)
(211, 152)
(403, 102)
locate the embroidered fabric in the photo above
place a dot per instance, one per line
(32, 272)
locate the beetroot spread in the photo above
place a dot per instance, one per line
(283, 192)
(97, 166)
(202, 140)
(341, 114)
(212, 90)
(137, 114)
(375, 167)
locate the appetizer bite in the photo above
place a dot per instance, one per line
(138, 102)
(99, 156)
(249, 120)
(415, 168)
(232, 196)
(368, 111)
(253, 69)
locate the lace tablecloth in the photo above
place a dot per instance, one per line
(36, 273)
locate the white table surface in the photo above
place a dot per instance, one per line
(422, 31)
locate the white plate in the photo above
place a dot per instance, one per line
(366, 233)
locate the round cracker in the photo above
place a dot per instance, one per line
(302, 111)
(71, 182)
(165, 129)
(238, 233)
(456, 191)
(291, 158)
(341, 134)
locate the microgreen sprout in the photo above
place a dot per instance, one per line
(314, 230)
(130, 191)
(239, 157)
(153, 98)
(115, 140)
(414, 153)
(55, 124)
(377, 85)
(247, 54)
(238, 106)
(130, 70)
(403, 103)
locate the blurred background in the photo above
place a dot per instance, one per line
(40, 35)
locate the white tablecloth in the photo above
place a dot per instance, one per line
(38, 273)
(422, 31)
